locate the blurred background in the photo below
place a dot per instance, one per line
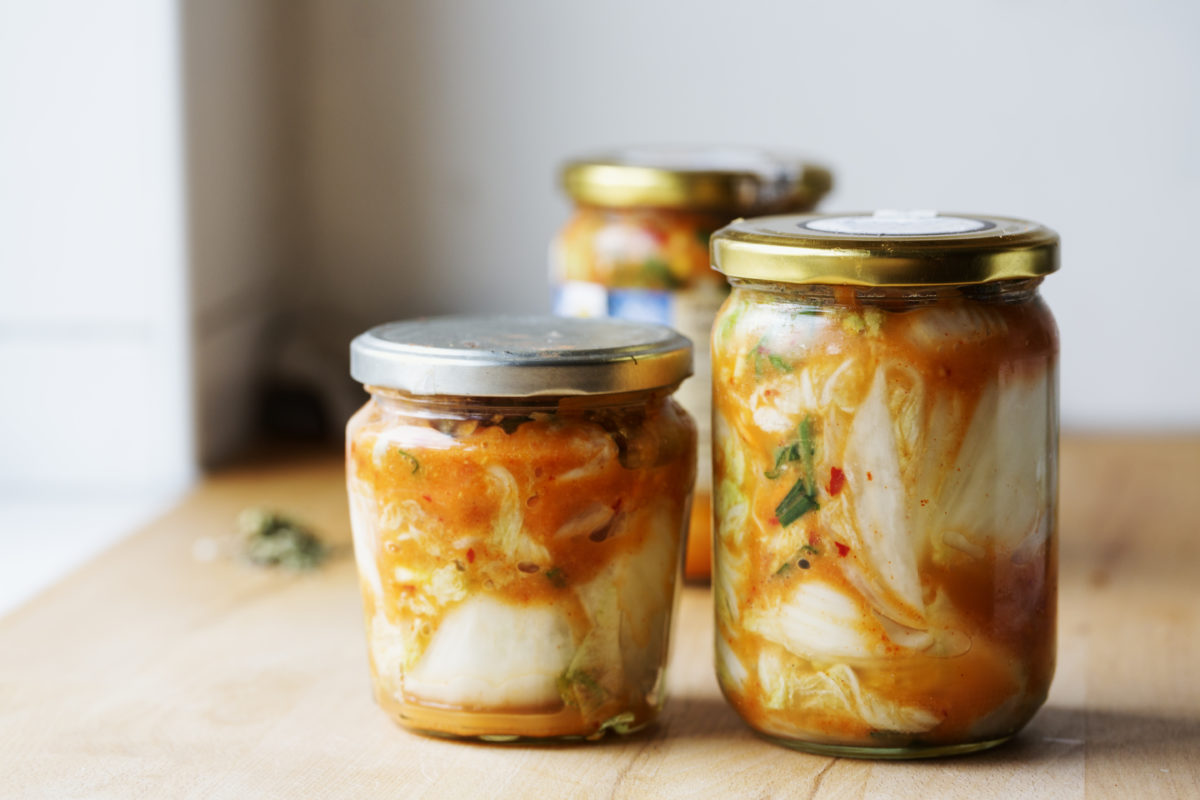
(202, 201)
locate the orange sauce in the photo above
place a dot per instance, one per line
(698, 560)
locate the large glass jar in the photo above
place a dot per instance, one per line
(885, 453)
(636, 247)
(519, 491)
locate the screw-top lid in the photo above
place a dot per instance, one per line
(519, 356)
(886, 248)
(736, 180)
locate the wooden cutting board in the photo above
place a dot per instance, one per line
(154, 672)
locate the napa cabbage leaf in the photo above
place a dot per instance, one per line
(1001, 475)
(839, 688)
(813, 619)
(487, 653)
(879, 508)
(508, 533)
(594, 677)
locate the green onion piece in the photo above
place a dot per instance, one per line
(416, 465)
(808, 448)
(796, 503)
(556, 577)
(658, 271)
(783, 455)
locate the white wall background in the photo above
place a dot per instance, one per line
(433, 131)
(93, 340)
(144, 201)
(95, 397)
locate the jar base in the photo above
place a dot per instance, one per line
(565, 725)
(565, 740)
(888, 753)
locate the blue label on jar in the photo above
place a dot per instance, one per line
(640, 305)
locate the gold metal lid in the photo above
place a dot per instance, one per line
(740, 181)
(886, 248)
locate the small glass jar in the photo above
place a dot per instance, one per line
(519, 491)
(885, 453)
(636, 247)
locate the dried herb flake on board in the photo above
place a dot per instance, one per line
(269, 539)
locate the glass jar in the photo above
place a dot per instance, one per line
(636, 247)
(885, 453)
(519, 490)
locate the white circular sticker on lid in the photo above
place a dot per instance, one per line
(887, 222)
(705, 159)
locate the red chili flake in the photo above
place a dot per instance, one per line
(773, 520)
(924, 503)
(427, 498)
(841, 548)
(470, 555)
(869, 477)
(837, 479)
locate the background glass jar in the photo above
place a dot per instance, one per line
(885, 451)
(636, 247)
(519, 492)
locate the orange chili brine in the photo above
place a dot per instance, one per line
(519, 556)
(885, 472)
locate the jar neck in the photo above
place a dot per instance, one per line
(893, 298)
(458, 407)
(708, 218)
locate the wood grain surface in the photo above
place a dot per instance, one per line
(158, 671)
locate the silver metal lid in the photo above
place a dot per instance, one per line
(519, 356)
